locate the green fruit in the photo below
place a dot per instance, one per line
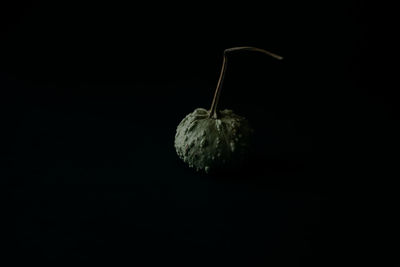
(206, 143)
(210, 140)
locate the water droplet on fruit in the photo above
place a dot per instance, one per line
(232, 144)
(218, 123)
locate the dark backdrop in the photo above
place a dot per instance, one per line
(92, 92)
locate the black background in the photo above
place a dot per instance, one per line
(92, 92)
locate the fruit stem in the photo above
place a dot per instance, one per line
(213, 109)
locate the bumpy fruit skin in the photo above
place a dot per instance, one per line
(208, 144)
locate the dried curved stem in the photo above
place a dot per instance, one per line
(213, 109)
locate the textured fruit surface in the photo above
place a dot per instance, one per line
(207, 144)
